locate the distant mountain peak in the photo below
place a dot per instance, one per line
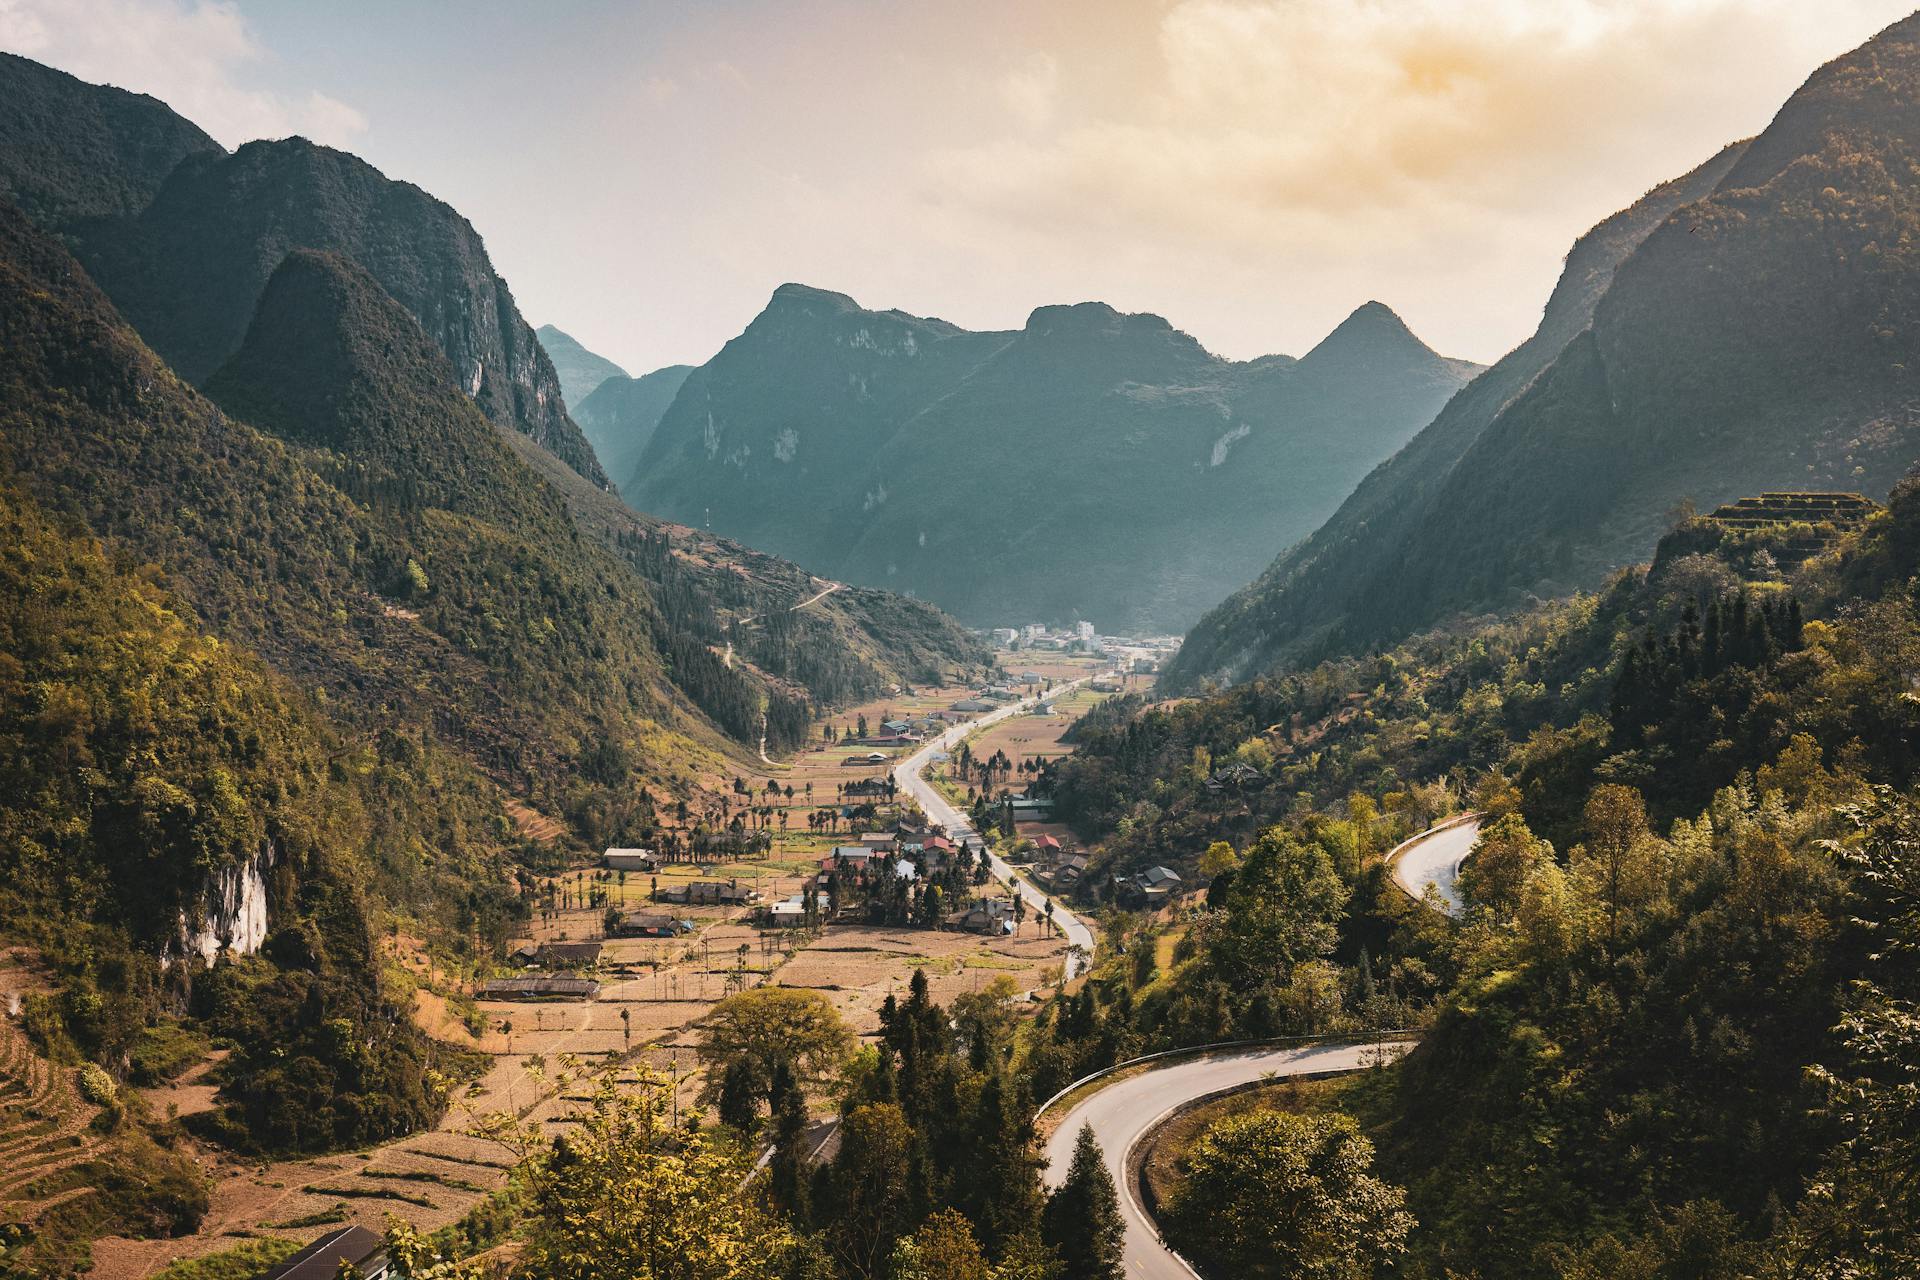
(1089, 316)
(1373, 334)
(794, 294)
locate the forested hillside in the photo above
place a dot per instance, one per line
(1755, 338)
(76, 151)
(987, 471)
(1691, 787)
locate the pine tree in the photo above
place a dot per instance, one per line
(1082, 1218)
(790, 1185)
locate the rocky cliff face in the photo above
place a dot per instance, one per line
(189, 269)
(232, 914)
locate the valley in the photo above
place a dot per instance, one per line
(738, 782)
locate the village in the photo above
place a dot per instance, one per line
(817, 874)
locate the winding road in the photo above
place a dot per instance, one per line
(1124, 1113)
(1433, 858)
(907, 776)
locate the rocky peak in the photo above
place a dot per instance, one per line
(1372, 336)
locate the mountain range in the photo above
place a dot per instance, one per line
(1749, 326)
(1090, 465)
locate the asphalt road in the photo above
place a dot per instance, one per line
(1434, 858)
(906, 776)
(1122, 1114)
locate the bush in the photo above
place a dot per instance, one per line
(97, 1087)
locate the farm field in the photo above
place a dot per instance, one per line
(653, 994)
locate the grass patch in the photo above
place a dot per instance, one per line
(324, 1218)
(372, 1193)
(165, 1052)
(242, 1262)
(424, 1175)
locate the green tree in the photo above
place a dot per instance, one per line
(1277, 1194)
(1082, 1218)
(942, 1249)
(1283, 908)
(870, 1181)
(625, 1197)
(750, 1033)
(1505, 857)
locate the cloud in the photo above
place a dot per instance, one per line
(195, 55)
(1423, 135)
(1029, 89)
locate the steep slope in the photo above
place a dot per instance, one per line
(188, 270)
(71, 150)
(578, 369)
(391, 551)
(1299, 603)
(621, 416)
(1758, 338)
(984, 470)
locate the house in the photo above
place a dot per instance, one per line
(856, 860)
(630, 860)
(1070, 870)
(872, 757)
(1047, 847)
(539, 986)
(972, 705)
(898, 728)
(709, 893)
(877, 840)
(997, 693)
(1031, 809)
(1237, 777)
(791, 913)
(356, 1247)
(645, 924)
(1041, 709)
(1153, 887)
(1032, 677)
(569, 954)
(1105, 686)
(989, 915)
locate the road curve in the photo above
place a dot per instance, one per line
(1433, 858)
(1124, 1113)
(907, 776)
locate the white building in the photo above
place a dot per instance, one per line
(630, 860)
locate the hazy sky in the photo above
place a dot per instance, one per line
(646, 174)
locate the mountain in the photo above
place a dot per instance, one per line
(183, 236)
(75, 150)
(578, 369)
(1754, 337)
(1090, 465)
(1299, 604)
(621, 415)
